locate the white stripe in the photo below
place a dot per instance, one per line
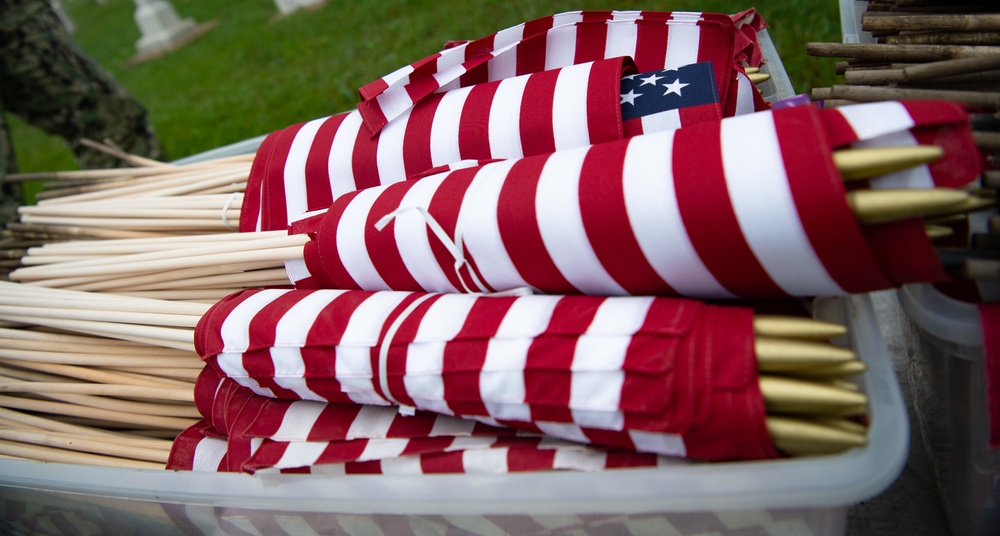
(450, 426)
(445, 318)
(471, 442)
(571, 129)
(393, 102)
(658, 443)
(295, 168)
(294, 326)
(235, 329)
(296, 270)
(570, 98)
(583, 459)
(626, 15)
(404, 465)
(340, 164)
(876, 118)
(762, 201)
(372, 421)
(622, 35)
(401, 75)
(651, 204)
(423, 381)
(351, 246)
(301, 454)
(688, 17)
(444, 127)
(290, 372)
(619, 316)
(563, 430)
(481, 232)
(414, 241)
(208, 453)
(560, 42)
(504, 64)
(560, 223)
(501, 380)
(505, 119)
(490, 461)
(527, 317)
(354, 372)
(298, 421)
(378, 449)
(387, 342)
(597, 379)
(744, 95)
(682, 43)
(389, 150)
(661, 121)
(914, 177)
(368, 318)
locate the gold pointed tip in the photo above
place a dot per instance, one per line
(774, 354)
(796, 327)
(880, 206)
(864, 163)
(751, 70)
(842, 370)
(801, 437)
(797, 396)
(758, 77)
(938, 231)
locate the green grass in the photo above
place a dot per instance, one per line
(255, 73)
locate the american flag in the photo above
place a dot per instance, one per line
(747, 206)
(669, 99)
(655, 40)
(658, 375)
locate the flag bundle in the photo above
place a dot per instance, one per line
(744, 207)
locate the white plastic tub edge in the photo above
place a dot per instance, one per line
(819, 483)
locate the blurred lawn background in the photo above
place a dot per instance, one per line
(255, 72)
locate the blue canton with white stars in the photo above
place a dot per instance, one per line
(658, 91)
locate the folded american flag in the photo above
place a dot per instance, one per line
(658, 375)
(262, 433)
(668, 99)
(748, 206)
(655, 40)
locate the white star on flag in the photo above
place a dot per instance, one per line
(630, 97)
(674, 87)
(651, 79)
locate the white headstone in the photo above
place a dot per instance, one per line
(159, 25)
(287, 6)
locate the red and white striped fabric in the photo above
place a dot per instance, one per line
(749, 206)
(306, 166)
(196, 450)
(657, 375)
(655, 40)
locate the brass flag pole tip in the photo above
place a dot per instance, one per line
(788, 354)
(798, 437)
(885, 205)
(796, 327)
(864, 163)
(758, 77)
(938, 231)
(803, 397)
(842, 370)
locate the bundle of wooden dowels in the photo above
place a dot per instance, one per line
(108, 380)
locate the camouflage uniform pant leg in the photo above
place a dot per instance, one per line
(47, 80)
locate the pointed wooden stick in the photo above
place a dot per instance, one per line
(60, 408)
(181, 394)
(49, 454)
(85, 445)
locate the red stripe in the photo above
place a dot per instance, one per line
(321, 254)
(419, 425)
(396, 355)
(518, 224)
(602, 207)
(252, 193)
(207, 334)
(274, 209)
(467, 352)
(536, 122)
(319, 193)
(381, 245)
(530, 459)
(650, 45)
(417, 139)
(342, 451)
(604, 112)
(334, 422)
(474, 125)
(427, 445)
(443, 462)
(331, 322)
(547, 384)
(905, 252)
(531, 50)
(716, 40)
(372, 116)
(701, 113)
(364, 163)
(818, 193)
(609, 438)
(708, 215)
(591, 39)
(477, 54)
(445, 205)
